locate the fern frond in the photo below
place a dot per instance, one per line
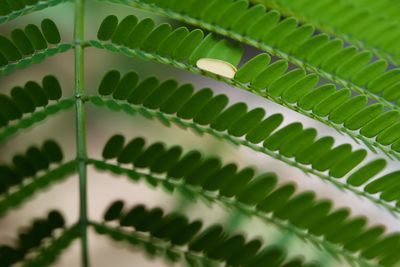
(35, 117)
(32, 237)
(25, 100)
(315, 53)
(30, 45)
(18, 195)
(36, 165)
(298, 147)
(49, 254)
(293, 89)
(209, 247)
(8, 13)
(349, 26)
(271, 209)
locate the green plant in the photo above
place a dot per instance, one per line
(344, 77)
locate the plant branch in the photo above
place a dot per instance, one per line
(369, 142)
(48, 254)
(167, 119)
(35, 117)
(37, 57)
(81, 126)
(30, 8)
(19, 195)
(171, 184)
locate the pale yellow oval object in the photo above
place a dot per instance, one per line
(217, 66)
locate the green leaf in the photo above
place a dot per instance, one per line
(281, 84)
(172, 41)
(294, 92)
(265, 22)
(296, 206)
(264, 128)
(316, 96)
(114, 211)
(258, 188)
(36, 93)
(109, 82)
(354, 65)
(342, 167)
(383, 183)
(156, 37)
(147, 158)
(23, 166)
(331, 63)
(363, 116)
(187, 233)
(237, 183)
(211, 110)
(332, 157)
(384, 81)
(380, 123)
(275, 141)
(330, 223)
(185, 165)
(36, 37)
(392, 92)
(188, 45)
(277, 198)
(229, 116)
(37, 159)
(52, 87)
(330, 103)
(50, 31)
(107, 28)
(280, 31)
(158, 97)
(9, 50)
(177, 99)
(247, 122)
(302, 140)
(367, 237)
(203, 48)
(389, 135)
(366, 172)
(8, 108)
(52, 151)
(22, 42)
(311, 45)
(140, 33)
(207, 238)
(347, 109)
(125, 86)
(252, 68)
(131, 151)
(167, 160)
(201, 173)
(322, 53)
(220, 178)
(246, 19)
(296, 37)
(370, 72)
(143, 90)
(123, 29)
(113, 147)
(192, 107)
(22, 100)
(231, 13)
(271, 73)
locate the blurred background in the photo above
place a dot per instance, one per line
(101, 124)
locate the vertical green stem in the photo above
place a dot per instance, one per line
(80, 126)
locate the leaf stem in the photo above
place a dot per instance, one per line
(80, 126)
